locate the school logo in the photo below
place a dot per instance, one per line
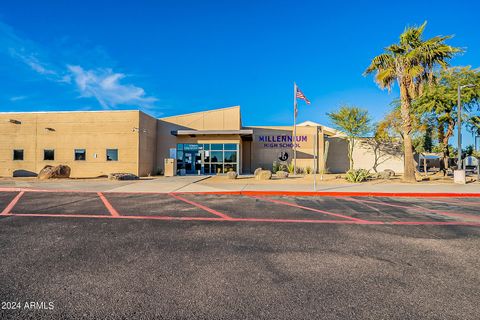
(283, 156)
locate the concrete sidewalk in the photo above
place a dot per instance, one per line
(154, 184)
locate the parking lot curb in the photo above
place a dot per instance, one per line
(342, 194)
(274, 193)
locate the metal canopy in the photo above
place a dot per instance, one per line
(241, 132)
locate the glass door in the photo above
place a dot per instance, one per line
(189, 162)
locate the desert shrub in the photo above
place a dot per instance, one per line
(357, 175)
(283, 167)
(308, 170)
(290, 168)
(275, 167)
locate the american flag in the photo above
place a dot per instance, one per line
(300, 95)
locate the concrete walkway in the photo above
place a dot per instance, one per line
(160, 184)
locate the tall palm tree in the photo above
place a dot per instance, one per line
(410, 63)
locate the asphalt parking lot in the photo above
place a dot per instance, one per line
(209, 256)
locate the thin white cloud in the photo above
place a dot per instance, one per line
(32, 61)
(103, 84)
(18, 98)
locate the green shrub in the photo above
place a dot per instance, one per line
(290, 168)
(283, 167)
(357, 175)
(275, 167)
(308, 170)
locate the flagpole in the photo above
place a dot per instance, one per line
(294, 138)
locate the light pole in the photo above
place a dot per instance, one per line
(459, 115)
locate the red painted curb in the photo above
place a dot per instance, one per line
(340, 194)
(275, 193)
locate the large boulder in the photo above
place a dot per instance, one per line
(257, 171)
(383, 175)
(122, 176)
(232, 175)
(390, 172)
(282, 174)
(264, 175)
(58, 172)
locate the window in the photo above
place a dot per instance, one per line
(230, 146)
(217, 146)
(48, 154)
(112, 154)
(230, 156)
(80, 154)
(216, 156)
(18, 154)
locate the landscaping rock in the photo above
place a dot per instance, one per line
(58, 172)
(257, 171)
(122, 176)
(390, 172)
(383, 175)
(282, 174)
(264, 175)
(232, 175)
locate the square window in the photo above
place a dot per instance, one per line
(112, 154)
(18, 154)
(80, 154)
(48, 154)
(216, 156)
(206, 147)
(230, 156)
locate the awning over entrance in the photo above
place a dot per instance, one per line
(241, 132)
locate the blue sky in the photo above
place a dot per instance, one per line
(171, 57)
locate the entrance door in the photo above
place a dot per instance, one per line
(189, 162)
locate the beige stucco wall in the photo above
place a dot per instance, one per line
(387, 157)
(264, 153)
(364, 156)
(93, 131)
(147, 155)
(219, 119)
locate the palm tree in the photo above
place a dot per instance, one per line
(411, 63)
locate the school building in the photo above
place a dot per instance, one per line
(96, 143)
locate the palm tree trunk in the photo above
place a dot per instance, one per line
(408, 165)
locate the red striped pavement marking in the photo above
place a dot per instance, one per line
(311, 221)
(443, 213)
(198, 205)
(366, 205)
(308, 208)
(108, 205)
(12, 203)
(454, 201)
